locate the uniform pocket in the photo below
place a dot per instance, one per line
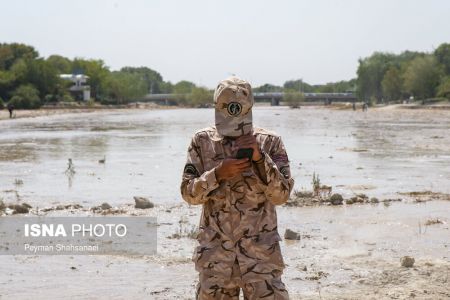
(204, 254)
(213, 260)
(266, 248)
(211, 248)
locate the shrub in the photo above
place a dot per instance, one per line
(200, 97)
(293, 98)
(67, 98)
(50, 98)
(26, 97)
(444, 88)
(90, 102)
(107, 101)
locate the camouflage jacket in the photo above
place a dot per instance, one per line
(239, 219)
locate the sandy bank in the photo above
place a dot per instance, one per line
(50, 111)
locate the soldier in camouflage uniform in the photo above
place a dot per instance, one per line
(239, 242)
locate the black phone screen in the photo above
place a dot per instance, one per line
(245, 152)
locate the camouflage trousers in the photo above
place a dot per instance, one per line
(271, 289)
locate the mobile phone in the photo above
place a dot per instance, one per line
(245, 153)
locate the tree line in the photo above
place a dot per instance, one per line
(29, 81)
(385, 77)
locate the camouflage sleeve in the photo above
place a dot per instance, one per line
(197, 183)
(279, 183)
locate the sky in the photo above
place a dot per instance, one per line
(204, 41)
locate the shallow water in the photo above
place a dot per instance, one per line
(379, 152)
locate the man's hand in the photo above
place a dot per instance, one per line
(230, 167)
(249, 141)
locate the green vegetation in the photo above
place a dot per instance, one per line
(384, 77)
(200, 97)
(268, 88)
(26, 96)
(392, 84)
(122, 86)
(442, 54)
(444, 88)
(293, 98)
(422, 77)
(29, 81)
(303, 87)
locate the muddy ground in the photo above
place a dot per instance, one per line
(344, 252)
(74, 108)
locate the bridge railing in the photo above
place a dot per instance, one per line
(275, 97)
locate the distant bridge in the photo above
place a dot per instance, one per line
(273, 98)
(327, 98)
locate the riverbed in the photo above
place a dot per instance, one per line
(378, 152)
(345, 251)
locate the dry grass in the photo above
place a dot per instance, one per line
(433, 222)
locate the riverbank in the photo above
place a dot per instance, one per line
(59, 110)
(440, 105)
(55, 110)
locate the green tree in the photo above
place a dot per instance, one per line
(20, 71)
(6, 83)
(443, 89)
(61, 64)
(123, 87)
(442, 54)
(36, 72)
(325, 88)
(166, 87)
(372, 70)
(297, 85)
(183, 87)
(43, 76)
(268, 88)
(153, 80)
(392, 84)
(293, 98)
(26, 97)
(96, 70)
(370, 73)
(422, 77)
(9, 53)
(343, 86)
(200, 97)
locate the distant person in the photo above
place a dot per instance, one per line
(365, 107)
(10, 108)
(239, 241)
(354, 106)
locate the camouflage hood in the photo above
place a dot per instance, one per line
(233, 100)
